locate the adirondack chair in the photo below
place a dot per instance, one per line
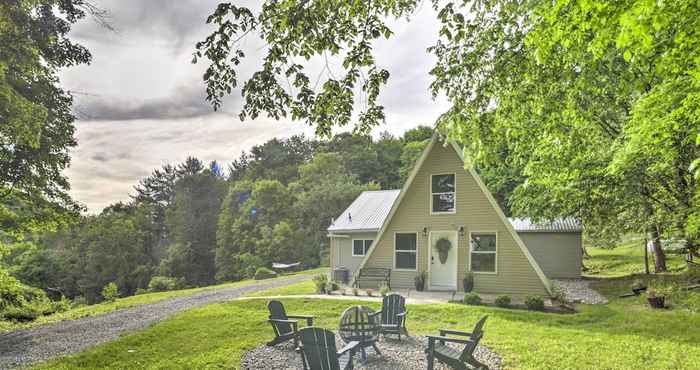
(393, 315)
(318, 351)
(458, 360)
(284, 328)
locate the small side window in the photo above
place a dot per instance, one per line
(360, 247)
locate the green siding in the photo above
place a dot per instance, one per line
(341, 251)
(558, 254)
(474, 211)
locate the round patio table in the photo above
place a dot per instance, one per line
(359, 323)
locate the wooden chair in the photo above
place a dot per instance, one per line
(318, 351)
(284, 328)
(393, 315)
(459, 360)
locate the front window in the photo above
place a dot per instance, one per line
(405, 251)
(483, 252)
(360, 247)
(442, 189)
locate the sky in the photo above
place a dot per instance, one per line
(141, 105)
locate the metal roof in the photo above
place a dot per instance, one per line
(371, 208)
(558, 225)
(367, 212)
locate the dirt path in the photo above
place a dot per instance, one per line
(29, 346)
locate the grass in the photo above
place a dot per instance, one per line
(621, 335)
(301, 288)
(626, 259)
(624, 334)
(126, 302)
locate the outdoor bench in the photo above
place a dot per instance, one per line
(373, 274)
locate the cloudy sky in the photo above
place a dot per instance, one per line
(141, 102)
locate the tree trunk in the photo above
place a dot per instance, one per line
(660, 257)
(585, 252)
(646, 257)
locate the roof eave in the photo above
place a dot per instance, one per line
(353, 230)
(548, 231)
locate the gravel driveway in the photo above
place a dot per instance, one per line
(28, 346)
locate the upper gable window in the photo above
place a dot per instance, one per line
(442, 197)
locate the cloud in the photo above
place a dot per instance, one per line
(112, 156)
(185, 101)
(141, 102)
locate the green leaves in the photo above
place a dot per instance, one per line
(311, 31)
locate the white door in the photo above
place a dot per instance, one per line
(443, 271)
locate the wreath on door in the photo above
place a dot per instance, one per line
(443, 247)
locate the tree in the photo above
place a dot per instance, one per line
(276, 159)
(302, 30)
(192, 223)
(409, 155)
(37, 123)
(582, 97)
(388, 150)
(326, 181)
(418, 133)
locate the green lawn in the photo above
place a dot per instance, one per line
(622, 335)
(626, 259)
(131, 301)
(302, 288)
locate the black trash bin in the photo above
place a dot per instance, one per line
(341, 275)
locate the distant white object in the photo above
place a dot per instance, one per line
(283, 266)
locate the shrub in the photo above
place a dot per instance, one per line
(419, 281)
(502, 301)
(693, 275)
(332, 286)
(110, 293)
(468, 282)
(355, 292)
(472, 299)
(264, 273)
(60, 305)
(369, 292)
(534, 303)
(384, 290)
(79, 301)
(165, 283)
(558, 293)
(637, 284)
(19, 302)
(20, 313)
(321, 282)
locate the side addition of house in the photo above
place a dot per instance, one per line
(445, 222)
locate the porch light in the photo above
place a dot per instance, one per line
(425, 231)
(461, 231)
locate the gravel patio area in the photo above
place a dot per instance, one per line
(580, 291)
(405, 354)
(29, 346)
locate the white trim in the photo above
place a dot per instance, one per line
(395, 206)
(484, 190)
(394, 253)
(338, 236)
(470, 252)
(430, 255)
(430, 194)
(352, 247)
(507, 223)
